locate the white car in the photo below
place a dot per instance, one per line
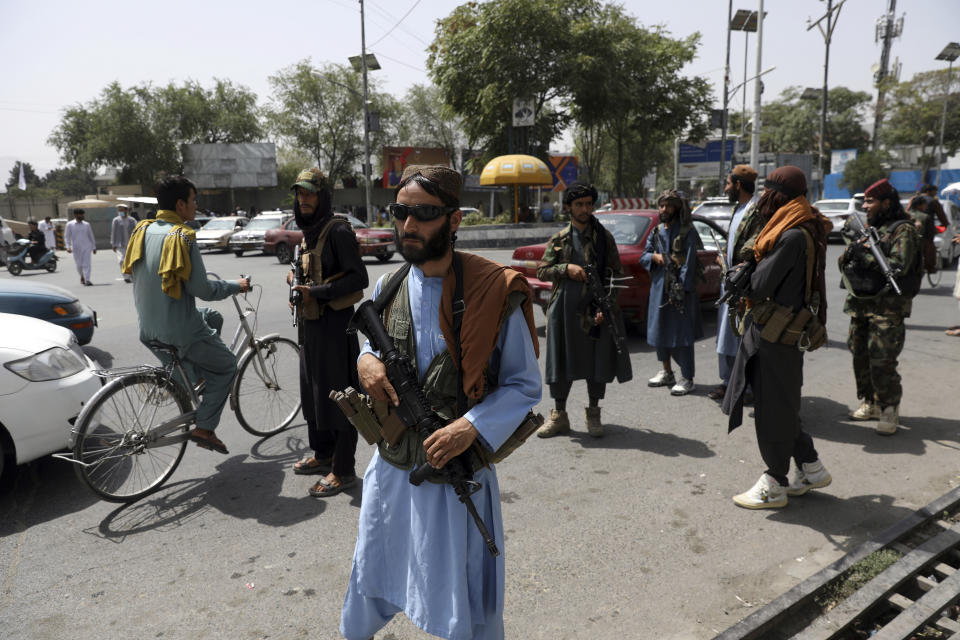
(718, 209)
(251, 237)
(216, 233)
(45, 379)
(838, 210)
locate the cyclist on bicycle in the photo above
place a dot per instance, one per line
(168, 276)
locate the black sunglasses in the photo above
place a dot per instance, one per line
(422, 212)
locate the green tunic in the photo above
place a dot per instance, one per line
(576, 349)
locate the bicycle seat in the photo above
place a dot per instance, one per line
(156, 345)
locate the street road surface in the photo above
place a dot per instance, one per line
(630, 536)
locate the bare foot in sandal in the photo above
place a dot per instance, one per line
(312, 465)
(331, 485)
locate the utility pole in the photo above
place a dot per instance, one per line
(827, 37)
(950, 53)
(371, 215)
(887, 28)
(758, 89)
(726, 99)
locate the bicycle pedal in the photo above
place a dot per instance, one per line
(200, 387)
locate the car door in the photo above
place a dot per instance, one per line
(714, 244)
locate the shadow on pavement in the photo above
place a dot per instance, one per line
(38, 491)
(665, 444)
(828, 420)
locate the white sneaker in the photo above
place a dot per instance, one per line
(765, 494)
(889, 421)
(866, 411)
(810, 475)
(662, 379)
(683, 387)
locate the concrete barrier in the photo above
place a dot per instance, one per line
(506, 236)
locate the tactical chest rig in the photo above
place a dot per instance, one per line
(310, 307)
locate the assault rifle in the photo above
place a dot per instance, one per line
(605, 302)
(296, 297)
(415, 412)
(869, 237)
(672, 281)
(736, 283)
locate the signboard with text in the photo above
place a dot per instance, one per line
(703, 160)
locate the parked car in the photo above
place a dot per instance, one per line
(48, 302)
(250, 238)
(216, 233)
(630, 230)
(376, 242)
(718, 209)
(198, 222)
(44, 380)
(838, 210)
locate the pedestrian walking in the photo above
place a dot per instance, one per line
(120, 229)
(49, 233)
(79, 241)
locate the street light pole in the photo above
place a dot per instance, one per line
(827, 37)
(371, 217)
(726, 97)
(949, 53)
(755, 137)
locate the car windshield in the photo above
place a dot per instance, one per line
(826, 205)
(714, 209)
(625, 229)
(356, 223)
(264, 223)
(712, 239)
(220, 225)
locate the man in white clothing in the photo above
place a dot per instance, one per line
(120, 230)
(79, 240)
(49, 233)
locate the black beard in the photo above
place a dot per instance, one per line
(432, 248)
(734, 196)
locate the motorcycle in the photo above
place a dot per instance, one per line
(17, 258)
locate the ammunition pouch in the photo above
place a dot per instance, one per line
(782, 325)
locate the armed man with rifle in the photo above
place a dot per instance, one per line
(882, 268)
(452, 351)
(584, 325)
(334, 277)
(673, 314)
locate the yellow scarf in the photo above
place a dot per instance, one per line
(175, 264)
(790, 215)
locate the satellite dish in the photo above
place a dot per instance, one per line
(874, 69)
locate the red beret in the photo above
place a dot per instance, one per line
(879, 189)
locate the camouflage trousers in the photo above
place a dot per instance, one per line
(876, 341)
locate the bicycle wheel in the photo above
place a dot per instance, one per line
(120, 465)
(934, 278)
(267, 398)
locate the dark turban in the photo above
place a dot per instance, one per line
(788, 180)
(579, 190)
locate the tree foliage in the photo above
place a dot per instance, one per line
(320, 110)
(140, 130)
(70, 181)
(428, 122)
(792, 124)
(914, 114)
(867, 168)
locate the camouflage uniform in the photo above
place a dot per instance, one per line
(877, 331)
(746, 234)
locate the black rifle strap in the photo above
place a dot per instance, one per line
(458, 308)
(390, 289)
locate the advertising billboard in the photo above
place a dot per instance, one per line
(396, 158)
(231, 166)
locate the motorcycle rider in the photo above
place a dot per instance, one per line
(38, 243)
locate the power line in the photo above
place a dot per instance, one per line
(393, 28)
(383, 55)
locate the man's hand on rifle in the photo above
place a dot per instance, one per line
(302, 288)
(576, 272)
(373, 379)
(445, 444)
(598, 319)
(656, 258)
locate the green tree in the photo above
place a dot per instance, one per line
(320, 110)
(484, 55)
(792, 124)
(866, 169)
(914, 111)
(70, 181)
(140, 130)
(428, 122)
(29, 176)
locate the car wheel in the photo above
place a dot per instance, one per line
(283, 253)
(51, 266)
(238, 252)
(15, 268)
(385, 257)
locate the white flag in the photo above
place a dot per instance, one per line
(23, 181)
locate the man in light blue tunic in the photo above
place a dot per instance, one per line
(418, 551)
(168, 277)
(740, 187)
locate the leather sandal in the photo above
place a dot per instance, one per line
(718, 393)
(211, 442)
(312, 465)
(324, 489)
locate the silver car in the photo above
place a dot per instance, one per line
(251, 237)
(838, 210)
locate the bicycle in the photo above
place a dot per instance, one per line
(131, 435)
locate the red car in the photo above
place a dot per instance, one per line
(373, 242)
(630, 230)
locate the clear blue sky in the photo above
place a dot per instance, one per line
(57, 53)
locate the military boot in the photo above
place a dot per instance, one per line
(866, 411)
(557, 423)
(889, 420)
(594, 426)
